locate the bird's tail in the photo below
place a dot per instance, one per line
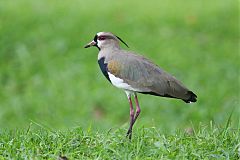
(191, 97)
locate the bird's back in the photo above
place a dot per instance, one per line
(146, 77)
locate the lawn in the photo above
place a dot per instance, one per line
(48, 78)
(149, 143)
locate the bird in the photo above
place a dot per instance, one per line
(134, 74)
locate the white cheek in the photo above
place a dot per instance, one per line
(99, 43)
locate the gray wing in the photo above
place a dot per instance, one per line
(148, 78)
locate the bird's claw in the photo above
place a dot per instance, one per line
(129, 134)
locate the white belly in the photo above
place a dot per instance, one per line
(118, 82)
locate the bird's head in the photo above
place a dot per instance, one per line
(105, 40)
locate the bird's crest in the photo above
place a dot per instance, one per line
(122, 41)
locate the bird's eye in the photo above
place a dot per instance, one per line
(101, 38)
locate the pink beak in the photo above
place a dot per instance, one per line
(93, 43)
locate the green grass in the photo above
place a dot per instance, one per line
(206, 142)
(46, 76)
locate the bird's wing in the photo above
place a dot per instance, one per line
(145, 76)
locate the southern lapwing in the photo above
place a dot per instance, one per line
(135, 74)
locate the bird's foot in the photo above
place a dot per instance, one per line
(129, 134)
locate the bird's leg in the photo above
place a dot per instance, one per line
(129, 133)
(138, 109)
(132, 115)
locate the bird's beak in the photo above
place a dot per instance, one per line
(93, 43)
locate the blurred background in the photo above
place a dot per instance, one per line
(47, 77)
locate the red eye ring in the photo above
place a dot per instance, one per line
(101, 38)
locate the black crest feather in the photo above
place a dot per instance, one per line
(122, 41)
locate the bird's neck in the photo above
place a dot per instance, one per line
(112, 46)
(108, 52)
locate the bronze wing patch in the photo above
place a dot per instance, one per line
(114, 67)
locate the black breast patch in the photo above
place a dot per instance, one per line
(103, 67)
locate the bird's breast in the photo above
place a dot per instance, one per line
(111, 70)
(111, 66)
(103, 67)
